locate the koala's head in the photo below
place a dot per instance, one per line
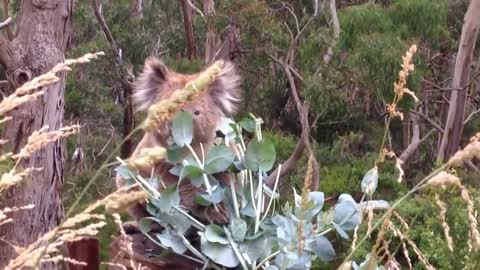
(222, 99)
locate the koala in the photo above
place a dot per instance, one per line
(222, 99)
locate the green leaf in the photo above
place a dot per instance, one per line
(173, 242)
(215, 234)
(238, 227)
(182, 129)
(175, 154)
(248, 124)
(218, 159)
(193, 173)
(219, 253)
(168, 198)
(260, 155)
(179, 222)
(124, 172)
(145, 225)
(324, 249)
(216, 196)
(255, 248)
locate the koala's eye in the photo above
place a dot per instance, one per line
(196, 112)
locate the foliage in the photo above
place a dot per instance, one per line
(288, 239)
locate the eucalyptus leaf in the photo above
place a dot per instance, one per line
(340, 231)
(172, 241)
(218, 159)
(324, 249)
(216, 196)
(248, 124)
(219, 253)
(254, 249)
(215, 234)
(193, 173)
(179, 222)
(347, 213)
(145, 225)
(182, 128)
(238, 227)
(370, 181)
(124, 172)
(176, 170)
(168, 197)
(248, 210)
(260, 155)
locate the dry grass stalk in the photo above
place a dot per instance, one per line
(122, 201)
(165, 109)
(444, 179)
(40, 138)
(72, 229)
(307, 183)
(127, 243)
(26, 92)
(7, 210)
(148, 158)
(472, 219)
(379, 242)
(446, 228)
(472, 150)
(404, 238)
(369, 220)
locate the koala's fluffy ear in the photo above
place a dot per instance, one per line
(226, 92)
(147, 85)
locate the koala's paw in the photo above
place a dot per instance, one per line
(131, 227)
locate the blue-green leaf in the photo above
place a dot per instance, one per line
(215, 234)
(324, 249)
(238, 227)
(370, 181)
(168, 198)
(248, 124)
(347, 213)
(260, 155)
(219, 253)
(193, 173)
(218, 159)
(182, 128)
(173, 242)
(216, 196)
(145, 225)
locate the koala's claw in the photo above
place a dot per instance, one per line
(131, 227)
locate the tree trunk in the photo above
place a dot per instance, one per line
(461, 77)
(187, 23)
(211, 42)
(44, 29)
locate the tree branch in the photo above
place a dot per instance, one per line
(304, 142)
(126, 79)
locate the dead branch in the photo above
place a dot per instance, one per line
(416, 140)
(304, 142)
(126, 79)
(429, 120)
(470, 116)
(5, 23)
(7, 19)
